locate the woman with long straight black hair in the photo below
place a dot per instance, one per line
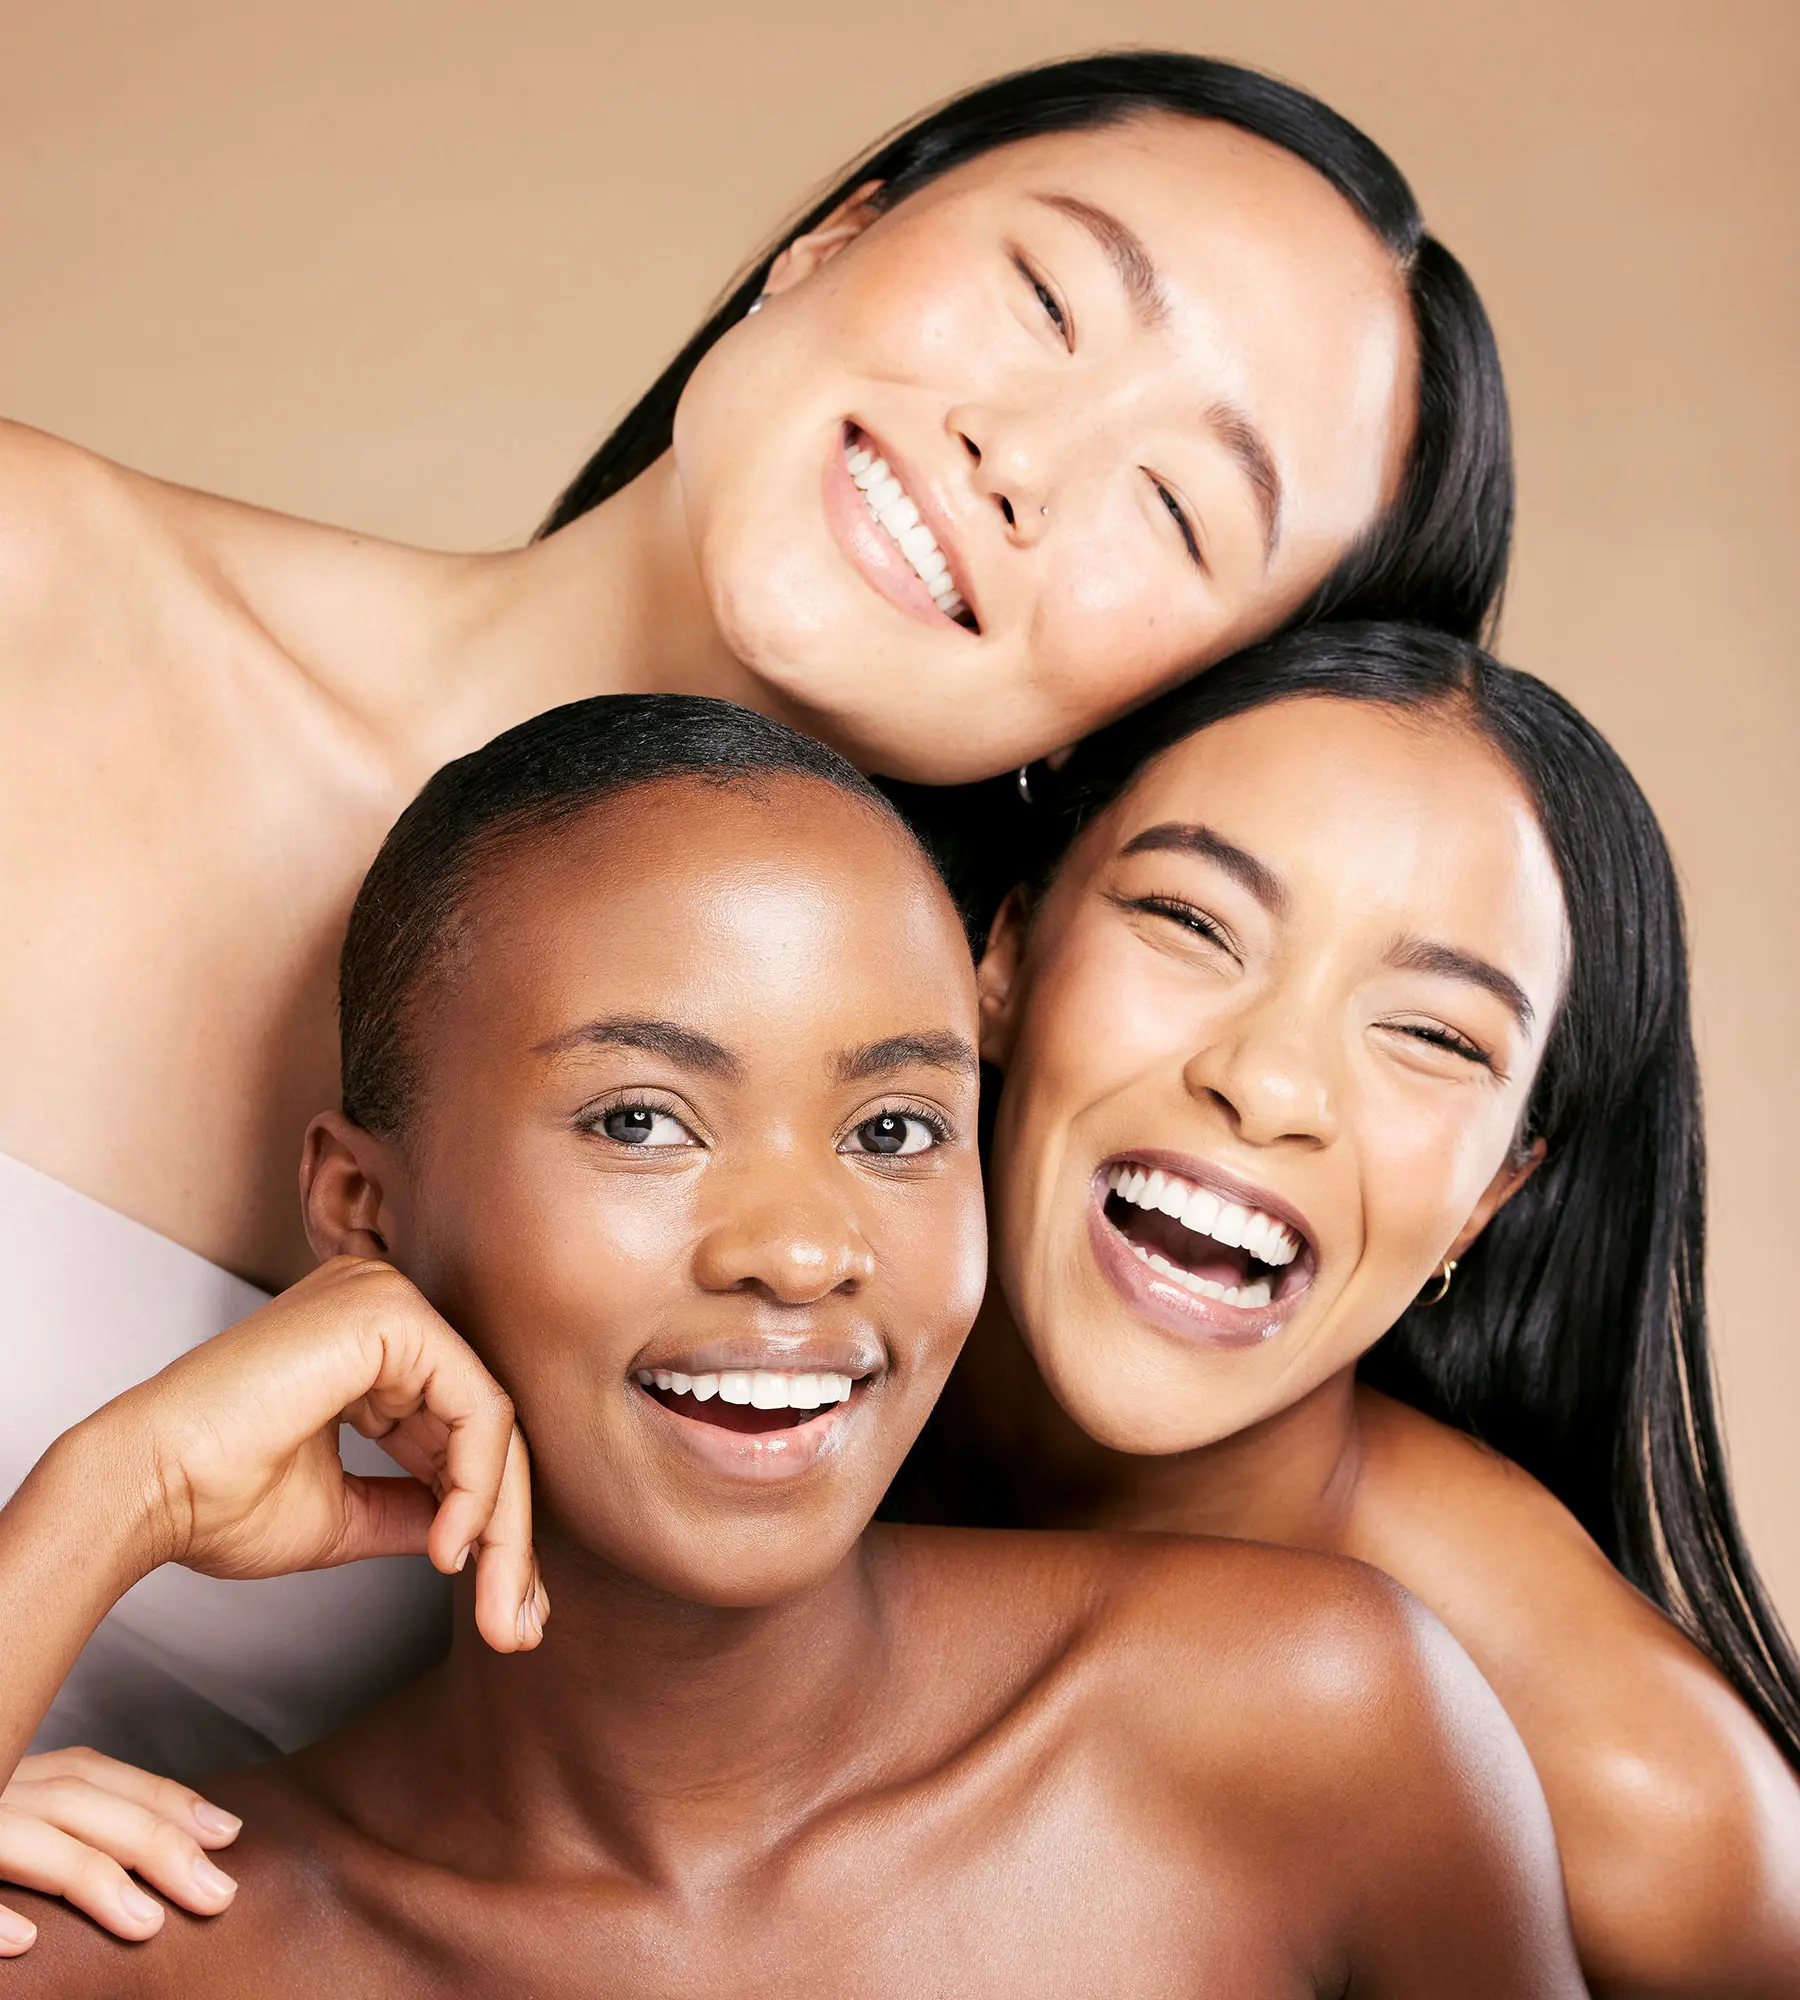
(1087, 378)
(1347, 1191)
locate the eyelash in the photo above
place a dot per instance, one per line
(1047, 299)
(591, 1118)
(1186, 915)
(933, 1121)
(1189, 538)
(1448, 1038)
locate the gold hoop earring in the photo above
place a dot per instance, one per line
(1443, 1283)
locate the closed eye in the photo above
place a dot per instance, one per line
(1190, 541)
(1053, 310)
(1188, 915)
(1441, 1037)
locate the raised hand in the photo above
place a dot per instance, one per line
(233, 1448)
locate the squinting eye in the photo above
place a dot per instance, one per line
(644, 1125)
(893, 1132)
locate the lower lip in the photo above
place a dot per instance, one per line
(869, 548)
(758, 1456)
(1167, 1303)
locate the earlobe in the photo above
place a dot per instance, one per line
(999, 979)
(808, 253)
(342, 1174)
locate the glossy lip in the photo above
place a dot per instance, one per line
(873, 552)
(1172, 1306)
(764, 1456)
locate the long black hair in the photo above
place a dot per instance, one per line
(1439, 554)
(1574, 1337)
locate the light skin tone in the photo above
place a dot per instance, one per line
(757, 1747)
(1308, 961)
(255, 699)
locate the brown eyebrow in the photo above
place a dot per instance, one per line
(934, 1048)
(1125, 251)
(1176, 837)
(1250, 448)
(658, 1038)
(1422, 955)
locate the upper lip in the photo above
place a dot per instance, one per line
(1202, 1173)
(923, 494)
(798, 1354)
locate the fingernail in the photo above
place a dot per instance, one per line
(212, 1881)
(15, 1930)
(138, 1907)
(215, 1819)
(468, 1549)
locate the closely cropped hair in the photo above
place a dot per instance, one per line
(523, 785)
(1439, 554)
(1574, 1339)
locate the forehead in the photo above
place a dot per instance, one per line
(1393, 820)
(778, 915)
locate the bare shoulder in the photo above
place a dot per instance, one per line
(286, 1890)
(1678, 1818)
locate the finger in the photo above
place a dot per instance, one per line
(478, 1433)
(17, 1933)
(210, 1825)
(385, 1516)
(44, 1858)
(138, 1839)
(510, 1604)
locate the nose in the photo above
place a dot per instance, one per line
(1010, 467)
(784, 1236)
(1268, 1072)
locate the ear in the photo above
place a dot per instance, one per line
(1000, 978)
(806, 254)
(1500, 1190)
(345, 1176)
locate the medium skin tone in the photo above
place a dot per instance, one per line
(1298, 1009)
(737, 1760)
(253, 700)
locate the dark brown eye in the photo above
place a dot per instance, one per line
(893, 1133)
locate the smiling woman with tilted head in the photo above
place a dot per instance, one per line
(1346, 1191)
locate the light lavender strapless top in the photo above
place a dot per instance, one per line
(187, 1673)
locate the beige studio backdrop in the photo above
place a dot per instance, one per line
(396, 264)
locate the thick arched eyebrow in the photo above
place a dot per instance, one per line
(668, 1039)
(1178, 837)
(1447, 961)
(934, 1048)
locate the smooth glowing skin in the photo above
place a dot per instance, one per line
(755, 1753)
(1038, 449)
(209, 716)
(1290, 1058)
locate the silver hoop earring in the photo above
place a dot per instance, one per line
(1025, 783)
(1443, 1283)
(757, 303)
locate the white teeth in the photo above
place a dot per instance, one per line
(898, 514)
(1268, 1240)
(760, 1388)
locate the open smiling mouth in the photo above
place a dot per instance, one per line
(1214, 1248)
(897, 514)
(749, 1401)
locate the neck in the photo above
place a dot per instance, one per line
(656, 1731)
(612, 604)
(1291, 1479)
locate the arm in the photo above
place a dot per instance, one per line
(228, 1462)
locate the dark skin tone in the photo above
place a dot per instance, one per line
(761, 1749)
